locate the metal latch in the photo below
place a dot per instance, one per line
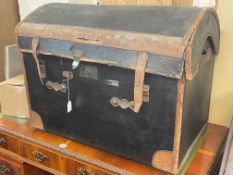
(56, 86)
(141, 91)
(124, 104)
(77, 54)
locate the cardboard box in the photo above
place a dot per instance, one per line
(13, 98)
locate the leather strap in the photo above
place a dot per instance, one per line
(35, 43)
(141, 91)
(139, 80)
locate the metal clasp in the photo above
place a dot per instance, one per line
(141, 91)
(77, 54)
(124, 104)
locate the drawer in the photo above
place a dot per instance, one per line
(86, 169)
(57, 161)
(9, 142)
(44, 156)
(10, 167)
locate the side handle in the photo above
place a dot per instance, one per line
(207, 53)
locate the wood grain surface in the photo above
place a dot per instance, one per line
(148, 2)
(97, 160)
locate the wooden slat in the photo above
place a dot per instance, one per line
(137, 2)
(154, 2)
(184, 3)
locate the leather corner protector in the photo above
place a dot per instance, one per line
(188, 63)
(163, 160)
(36, 120)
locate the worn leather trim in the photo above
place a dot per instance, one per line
(195, 23)
(178, 124)
(160, 65)
(139, 80)
(36, 120)
(190, 36)
(169, 160)
(158, 44)
(162, 159)
(35, 43)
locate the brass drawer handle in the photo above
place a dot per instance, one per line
(4, 169)
(2, 141)
(39, 156)
(83, 171)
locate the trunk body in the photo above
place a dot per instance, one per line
(139, 90)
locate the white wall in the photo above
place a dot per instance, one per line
(221, 108)
(26, 6)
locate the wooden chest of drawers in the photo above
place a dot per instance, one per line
(24, 151)
(56, 161)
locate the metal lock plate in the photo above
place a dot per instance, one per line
(88, 71)
(145, 92)
(42, 68)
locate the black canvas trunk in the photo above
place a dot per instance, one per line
(133, 81)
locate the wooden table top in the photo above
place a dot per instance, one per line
(200, 165)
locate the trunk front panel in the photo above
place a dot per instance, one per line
(93, 120)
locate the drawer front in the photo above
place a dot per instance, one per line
(9, 167)
(85, 169)
(8, 142)
(43, 156)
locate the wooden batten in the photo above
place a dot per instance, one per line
(157, 44)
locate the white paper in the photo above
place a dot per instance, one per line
(69, 106)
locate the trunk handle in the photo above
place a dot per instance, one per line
(207, 53)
